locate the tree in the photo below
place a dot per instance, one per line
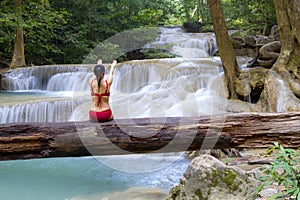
(288, 62)
(226, 50)
(18, 59)
(31, 27)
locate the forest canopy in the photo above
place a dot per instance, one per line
(65, 31)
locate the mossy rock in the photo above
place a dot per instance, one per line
(207, 178)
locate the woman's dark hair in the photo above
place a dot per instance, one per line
(98, 70)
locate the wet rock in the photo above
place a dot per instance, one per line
(208, 178)
(250, 84)
(242, 88)
(277, 96)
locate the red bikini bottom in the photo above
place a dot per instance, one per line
(100, 116)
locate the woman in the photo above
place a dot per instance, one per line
(100, 110)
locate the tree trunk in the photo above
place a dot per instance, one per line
(226, 50)
(155, 135)
(18, 59)
(288, 62)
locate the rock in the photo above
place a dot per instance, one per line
(208, 178)
(275, 33)
(250, 84)
(193, 26)
(217, 153)
(268, 54)
(250, 41)
(256, 173)
(277, 96)
(242, 88)
(236, 42)
(263, 40)
(251, 52)
(267, 193)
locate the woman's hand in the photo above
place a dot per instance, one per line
(114, 63)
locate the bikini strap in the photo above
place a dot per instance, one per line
(106, 88)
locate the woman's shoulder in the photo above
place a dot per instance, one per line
(92, 79)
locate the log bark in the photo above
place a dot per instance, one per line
(148, 135)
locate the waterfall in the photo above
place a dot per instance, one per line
(164, 87)
(131, 76)
(36, 78)
(39, 111)
(186, 45)
(281, 97)
(70, 81)
(184, 86)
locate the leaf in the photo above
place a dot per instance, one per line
(291, 191)
(297, 191)
(287, 169)
(259, 188)
(270, 150)
(274, 196)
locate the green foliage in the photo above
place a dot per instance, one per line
(251, 15)
(42, 24)
(66, 31)
(284, 170)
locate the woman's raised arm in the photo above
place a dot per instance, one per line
(111, 73)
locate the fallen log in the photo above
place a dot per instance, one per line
(148, 135)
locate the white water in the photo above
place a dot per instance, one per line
(188, 86)
(36, 78)
(165, 87)
(186, 45)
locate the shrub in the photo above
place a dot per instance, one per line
(284, 171)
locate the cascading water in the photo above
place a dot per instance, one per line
(36, 78)
(187, 86)
(160, 88)
(192, 45)
(282, 97)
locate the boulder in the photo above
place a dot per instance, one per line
(250, 83)
(193, 26)
(263, 40)
(208, 178)
(277, 96)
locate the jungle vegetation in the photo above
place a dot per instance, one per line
(65, 31)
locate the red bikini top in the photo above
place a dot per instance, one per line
(106, 93)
